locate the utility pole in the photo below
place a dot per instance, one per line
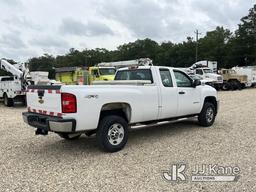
(197, 34)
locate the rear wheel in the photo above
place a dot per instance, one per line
(69, 136)
(112, 133)
(238, 85)
(207, 116)
(8, 101)
(235, 84)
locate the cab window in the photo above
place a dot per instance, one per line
(166, 77)
(95, 73)
(134, 74)
(199, 71)
(182, 79)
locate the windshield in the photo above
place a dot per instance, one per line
(138, 74)
(107, 71)
(232, 72)
(207, 71)
(195, 77)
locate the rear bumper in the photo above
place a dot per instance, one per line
(48, 123)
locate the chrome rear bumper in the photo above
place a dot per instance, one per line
(48, 123)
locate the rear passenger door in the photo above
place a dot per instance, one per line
(168, 95)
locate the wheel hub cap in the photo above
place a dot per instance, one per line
(116, 134)
(209, 114)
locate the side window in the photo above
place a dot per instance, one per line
(166, 77)
(182, 80)
(199, 71)
(95, 73)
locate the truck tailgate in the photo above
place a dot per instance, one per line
(44, 100)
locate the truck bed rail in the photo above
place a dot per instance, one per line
(122, 82)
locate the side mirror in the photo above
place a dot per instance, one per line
(196, 83)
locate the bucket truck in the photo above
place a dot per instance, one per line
(12, 88)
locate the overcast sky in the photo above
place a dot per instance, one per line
(32, 27)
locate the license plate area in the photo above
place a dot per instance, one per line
(37, 121)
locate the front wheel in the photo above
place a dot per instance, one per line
(225, 86)
(8, 101)
(207, 116)
(112, 133)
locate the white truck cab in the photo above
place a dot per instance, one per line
(11, 89)
(207, 74)
(138, 95)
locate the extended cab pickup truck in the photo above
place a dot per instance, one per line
(138, 95)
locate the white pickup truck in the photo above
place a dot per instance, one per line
(138, 95)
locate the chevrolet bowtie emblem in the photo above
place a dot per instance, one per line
(41, 101)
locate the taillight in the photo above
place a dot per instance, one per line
(68, 103)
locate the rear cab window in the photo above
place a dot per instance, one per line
(134, 74)
(166, 77)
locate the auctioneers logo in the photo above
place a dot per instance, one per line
(201, 173)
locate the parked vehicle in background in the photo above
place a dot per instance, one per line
(207, 74)
(39, 77)
(232, 80)
(13, 88)
(101, 73)
(206, 81)
(213, 65)
(138, 95)
(104, 71)
(250, 72)
(84, 75)
(72, 75)
(128, 63)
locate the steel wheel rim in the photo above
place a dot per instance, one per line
(209, 114)
(116, 134)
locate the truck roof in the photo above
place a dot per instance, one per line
(147, 67)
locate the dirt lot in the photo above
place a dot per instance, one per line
(38, 163)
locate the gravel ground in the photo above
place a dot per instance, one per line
(39, 163)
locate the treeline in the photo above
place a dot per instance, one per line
(227, 48)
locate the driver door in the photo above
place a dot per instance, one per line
(189, 97)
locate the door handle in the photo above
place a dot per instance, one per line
(181, 92)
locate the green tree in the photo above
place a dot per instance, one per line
(214, 45)
(242, 47)
(43, 63)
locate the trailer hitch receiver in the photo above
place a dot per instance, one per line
(41, 132)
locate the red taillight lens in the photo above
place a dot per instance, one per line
(68, 103)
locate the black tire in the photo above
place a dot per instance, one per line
(115, 126)
(204, 118)
(225, 86)
(67, 136)
(8, 101)
(234, 85)
(24, 101)
(238, 85)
